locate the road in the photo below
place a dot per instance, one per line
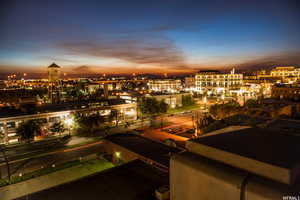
(180, 120)
(55, 157)
(156, 134)
(60, 156)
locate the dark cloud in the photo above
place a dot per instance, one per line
(284, 59)
(83, 70)
(145, 49)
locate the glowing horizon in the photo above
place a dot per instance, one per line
(181, 37)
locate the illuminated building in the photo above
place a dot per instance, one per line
(288, 74)
(9, 122)
(53, 72)
(215, 82)
(53, 78)
(2, 85)
(165, 85)
(173, 100)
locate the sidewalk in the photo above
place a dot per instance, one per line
(51, 180)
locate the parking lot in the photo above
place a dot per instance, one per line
(181, 131)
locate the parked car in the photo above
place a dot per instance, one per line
(191, 131)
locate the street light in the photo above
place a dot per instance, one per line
(69, 123)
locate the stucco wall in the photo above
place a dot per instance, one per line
(193, 177)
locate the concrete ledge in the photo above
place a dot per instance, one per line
(193, 177)
(274, 172)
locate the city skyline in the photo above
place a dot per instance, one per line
(148, 37)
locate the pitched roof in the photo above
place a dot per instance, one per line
(53, 65)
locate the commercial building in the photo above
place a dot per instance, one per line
(2, 84)
(165, 85)
(289, 74)
(54, 89)
(173, 100)
(286, 91)
(215, 82)
(53, 72)
(10, 121)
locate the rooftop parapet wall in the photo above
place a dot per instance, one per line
(194, 177)
(259, 151)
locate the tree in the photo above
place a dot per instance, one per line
(114, 115)
(149, 106)
(220, 111)
(2, 136)
(3, 149)
(152, 107)
(252, 103)
(87, 124)
(162, 109)
(187, 100)
(27, 130)
(57, 127)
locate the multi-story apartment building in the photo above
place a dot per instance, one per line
(212, 81)
(47, 115)
(287, 74)
(165, 85)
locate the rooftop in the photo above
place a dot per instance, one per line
(145, 147)
(291, 127)
(209, 71)
(264, 152)
(132, 181)
(53, 65)
(46, 108)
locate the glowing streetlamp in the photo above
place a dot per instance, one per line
(118, 154)
(117, 157)
(69, 122)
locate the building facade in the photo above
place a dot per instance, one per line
(165, 85)
(9, 125)
(54, 88)
(290, 92)
(288, 74)
(173, 100)
(214, 82)
(53, 72)
(189, 83)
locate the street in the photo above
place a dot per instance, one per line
(31, 161)
(182, 121)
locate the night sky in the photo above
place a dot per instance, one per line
(147, 36)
